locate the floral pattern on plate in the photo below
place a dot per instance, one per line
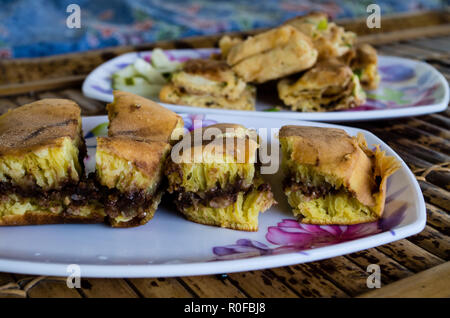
(290, 236)
(402, 86)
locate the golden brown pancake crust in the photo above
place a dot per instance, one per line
(366, 54)
(203, 78)
(333, 152)
(146, 156)
(328, 73)
(211, 69)
(329, 39)
(170, 94)
(140, 132)
(272, 54)
(329, 85)
(365, 62)
(221, 145)
(225, 45)
(37, 125)
(140, 118)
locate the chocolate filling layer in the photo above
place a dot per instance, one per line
(131, 204)
(81, 193)
(307, 189)
(215, 197)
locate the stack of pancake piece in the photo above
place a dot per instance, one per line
(214, 180)
(211, 173)
(333, 178)
(208, 83)
(42, 175)
(130, 161)
(41, 166)
(316, 65)
(43, 179)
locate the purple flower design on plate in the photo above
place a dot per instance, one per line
(172, 57)
(423, 79)
(102, 90)
(243, 247)
(371, 104)
(291, 236)
(122, 65)
(374, 104)
(408, 96)
(193, 121)
(425, 96)
(298, 236)
(291, 233)
(396, 73)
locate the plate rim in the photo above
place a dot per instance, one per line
(310, 116)
(235, 265)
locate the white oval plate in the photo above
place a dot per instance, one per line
(407, 88)
(169, 245)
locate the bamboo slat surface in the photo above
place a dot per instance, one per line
(417, 266)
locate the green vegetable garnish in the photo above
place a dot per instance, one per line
(273, 109)
(100, 130)
(323, 25)
(129, 81)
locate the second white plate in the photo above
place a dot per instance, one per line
(407, 88)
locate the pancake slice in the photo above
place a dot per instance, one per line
(215, 181)
(141, 119)
(329, 39)
(365, 65)
(330, 85)
(41, 165)
(208, 83)
(225, 44)
(333, 178)
(130, 162)
(130, 176)
(170, 94)
(272, 54)
(208, 77)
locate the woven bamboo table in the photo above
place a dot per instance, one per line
(416, 266)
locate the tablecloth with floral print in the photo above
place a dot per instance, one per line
(31, 28)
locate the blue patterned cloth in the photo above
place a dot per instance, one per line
(31, 28)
